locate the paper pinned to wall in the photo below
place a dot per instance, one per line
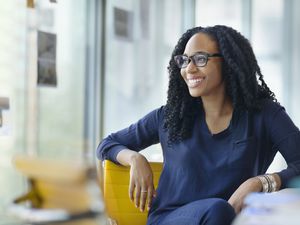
(46, 59)
(123, 24)
(30, 3)
(5, 124)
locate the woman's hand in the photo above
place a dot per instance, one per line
(237, 199)
(141, 181)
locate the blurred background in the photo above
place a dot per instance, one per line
(111, 68)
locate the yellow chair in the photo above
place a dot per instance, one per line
(115, 187)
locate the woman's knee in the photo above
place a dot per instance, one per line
(220, 212)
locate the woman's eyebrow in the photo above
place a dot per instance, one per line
(194, 53)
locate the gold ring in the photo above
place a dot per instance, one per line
(144, 191)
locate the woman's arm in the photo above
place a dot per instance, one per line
(253, 184)
(141, 178)
(285, 137)
(123, 148)
(136, 137)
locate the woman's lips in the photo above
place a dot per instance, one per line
(194, 82)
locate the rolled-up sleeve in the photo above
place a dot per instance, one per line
(285, 137)
(136, 137)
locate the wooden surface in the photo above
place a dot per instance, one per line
(55, 184)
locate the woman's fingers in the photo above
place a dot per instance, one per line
(144, 194)
(131, 190)
(137, 195)
(141, 183)
(150, 196)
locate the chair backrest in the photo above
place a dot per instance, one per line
(117, 202)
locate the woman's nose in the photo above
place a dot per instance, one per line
(191, 67)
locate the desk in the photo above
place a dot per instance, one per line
(60, 192)
(278, 208)
(87, 219)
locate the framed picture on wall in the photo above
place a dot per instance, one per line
(46, 59)
(123, 24)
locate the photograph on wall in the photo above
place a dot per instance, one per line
(5, 123)
(30, 3)
(123, 24)
(46, 59)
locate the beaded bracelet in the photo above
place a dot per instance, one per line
(268, 183)
(264, 182)
(273, 182)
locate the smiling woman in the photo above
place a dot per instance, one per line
(219, 131)
(201, 77)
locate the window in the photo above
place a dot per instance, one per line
(136, 76)
(47, 121)
(263, 27)
(12, 81)
(213, 12)
(266, 39)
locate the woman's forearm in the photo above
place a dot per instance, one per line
(277, 180)
(126, 157)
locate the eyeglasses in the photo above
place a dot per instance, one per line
(199, 59)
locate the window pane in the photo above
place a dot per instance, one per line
(267, 34)
(46, 121)
(60, 112)
(266, 38)
(223, 12)
(136, 60)
(12, 80)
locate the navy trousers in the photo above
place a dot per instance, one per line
(212, 211)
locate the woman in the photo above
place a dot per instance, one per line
(219, 132)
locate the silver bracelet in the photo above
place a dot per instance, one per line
(273, 182)
(264, 183)
(268, 182)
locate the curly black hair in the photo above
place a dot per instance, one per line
(243, 80)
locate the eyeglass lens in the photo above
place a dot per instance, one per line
(198, 59)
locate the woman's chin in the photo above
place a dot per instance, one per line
(195, 93)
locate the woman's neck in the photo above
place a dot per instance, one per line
(217, 106)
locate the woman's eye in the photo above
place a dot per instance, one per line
(200, 59)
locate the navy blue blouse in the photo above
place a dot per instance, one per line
(211, 165)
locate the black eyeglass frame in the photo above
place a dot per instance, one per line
(191, 58)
